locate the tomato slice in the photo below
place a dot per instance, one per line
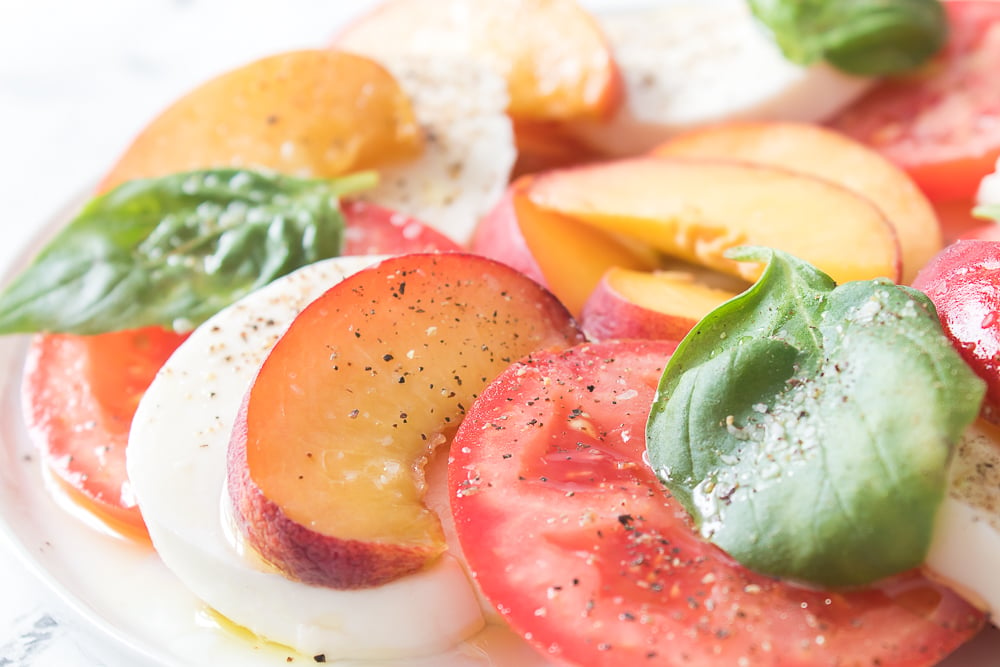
(80, 395)
(80, 392)
(580, 548)
(375, 230)
(942, 124)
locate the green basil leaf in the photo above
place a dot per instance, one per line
(173, 251)
(808, 428)
(862, 37)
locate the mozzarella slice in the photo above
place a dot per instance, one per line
(966, 542)
(989, 187)
(177, 466)
(687, 64)
(469, 150)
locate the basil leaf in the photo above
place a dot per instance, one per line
(862, 37)
(808, 427)
(173, 251)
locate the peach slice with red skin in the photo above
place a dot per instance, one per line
(561, 253)
(318, 113)
(498, 235)
(824, 153)
(549, 76)
(662, 305)
(695, 210)
(325, 468)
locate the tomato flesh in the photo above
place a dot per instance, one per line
(374, 230)
(963, 281)
(587, 556)
(942, 124)
(80, 395)
(80, 392)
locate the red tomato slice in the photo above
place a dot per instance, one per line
(81, 392)
(942, 125)
(580, 548)
(373, 230)
(80, 395)
(963, 281)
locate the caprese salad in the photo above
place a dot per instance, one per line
(671, 341)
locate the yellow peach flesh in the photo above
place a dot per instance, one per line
(696, 210)
(310, 113)
(670, 292)
(573, 256)
(326, 469)
(817, 151)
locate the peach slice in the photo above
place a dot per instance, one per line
(552, 53)
(657, 305)
(824, 153)
(326, 461)
(314, 113)
(695, 210)
(563, 254)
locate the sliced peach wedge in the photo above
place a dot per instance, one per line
(318, 113)
(695, 210)
(566, 256)
(821, 152)
(326, 460)
(661, 305)
(552, 53)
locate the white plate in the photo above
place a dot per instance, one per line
(131, 601)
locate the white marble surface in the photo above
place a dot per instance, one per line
(77, 81)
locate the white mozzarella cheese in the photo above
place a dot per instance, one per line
(469, 145)
(687, 64)
(989, 187)
(177, 466)
(966, 542)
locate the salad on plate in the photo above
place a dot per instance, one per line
(670, 341)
